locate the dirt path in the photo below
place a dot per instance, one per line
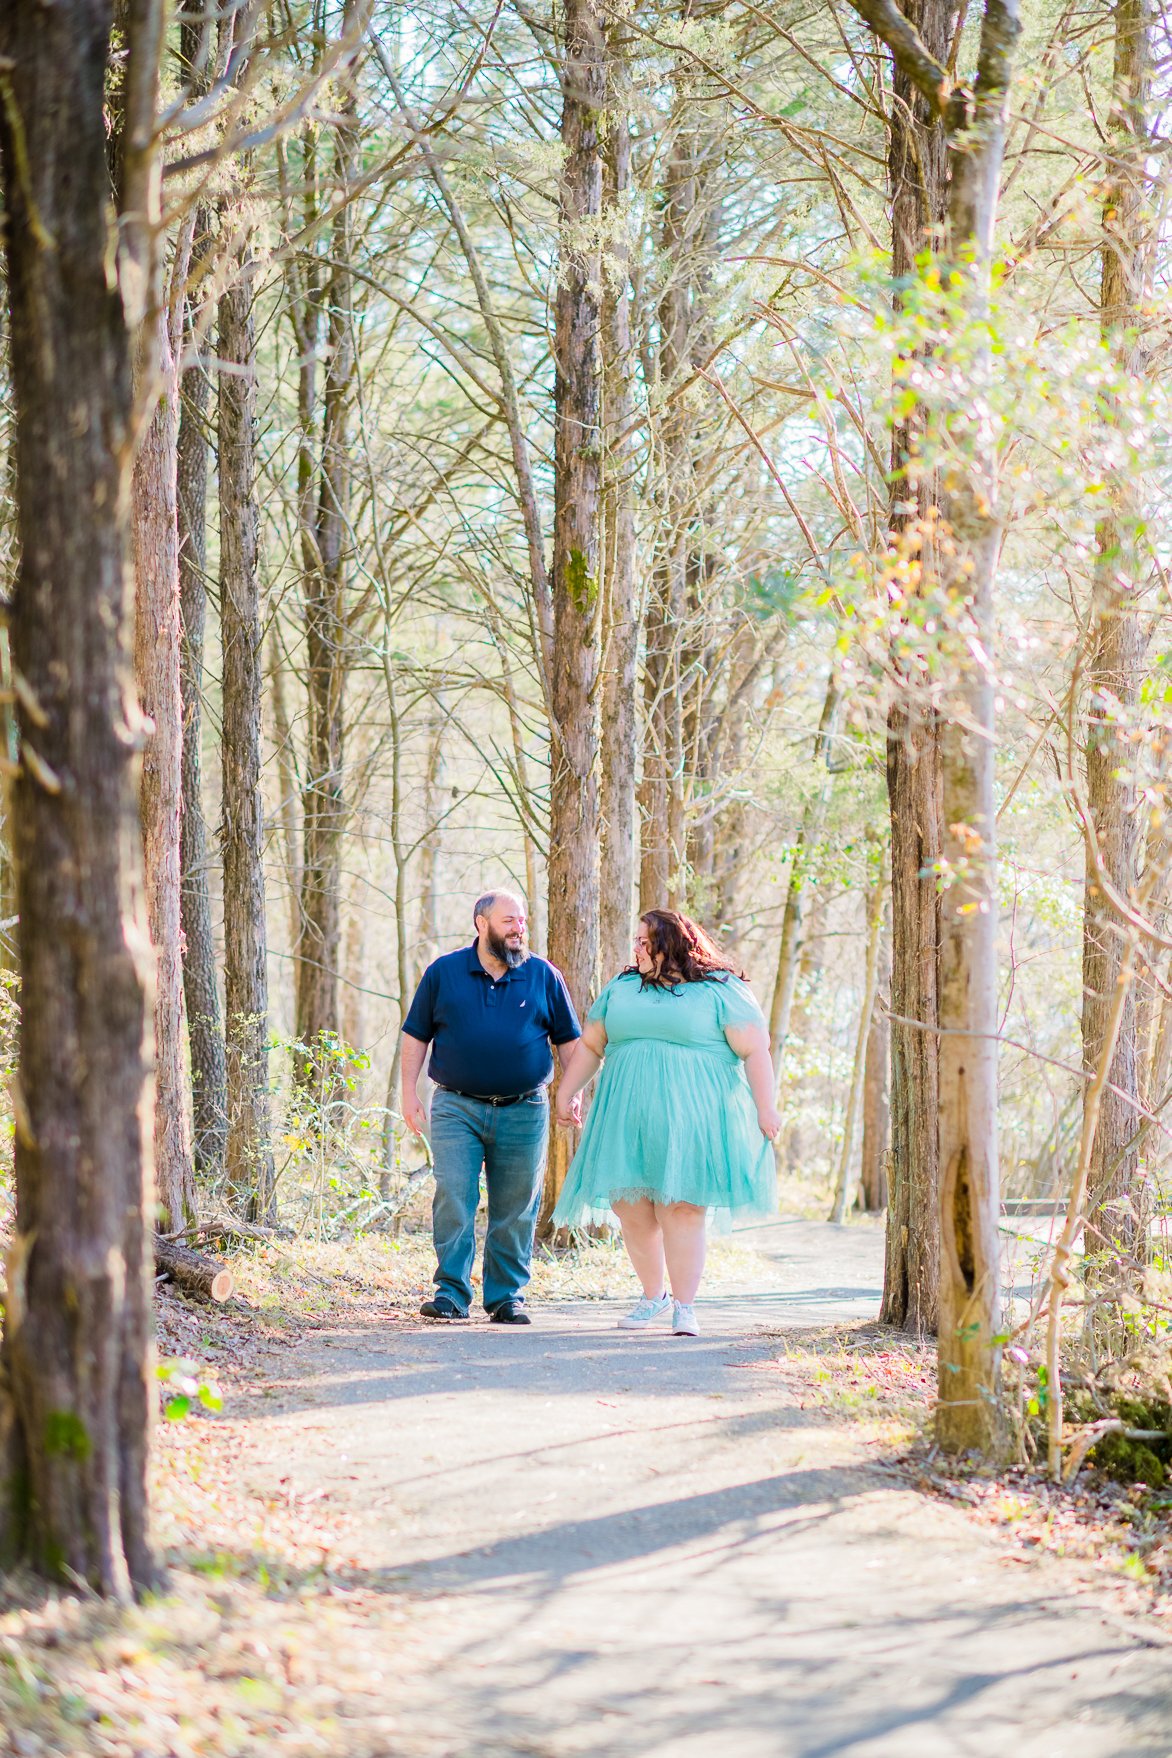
(644, 1545)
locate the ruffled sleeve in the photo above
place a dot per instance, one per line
(598, 1011)
(737, 1005)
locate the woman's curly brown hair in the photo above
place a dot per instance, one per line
(690, 955)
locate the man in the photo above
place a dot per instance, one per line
(490, 1013)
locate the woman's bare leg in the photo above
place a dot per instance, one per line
(685, 1241)
(644, 1242)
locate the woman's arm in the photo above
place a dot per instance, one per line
(751, 1044)
(579, 1067)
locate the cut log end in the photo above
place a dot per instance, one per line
(192, 1272)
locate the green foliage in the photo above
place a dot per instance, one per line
(187, 1389)
(334, 1137)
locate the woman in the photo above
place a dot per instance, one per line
(683, 1116)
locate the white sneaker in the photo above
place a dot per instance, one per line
(645, 1314)
(683, 1320)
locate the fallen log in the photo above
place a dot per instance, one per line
(192, 1272)
(231, 1230)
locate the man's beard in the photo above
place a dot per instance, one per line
(511, 956)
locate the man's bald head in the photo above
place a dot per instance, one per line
(500, 918)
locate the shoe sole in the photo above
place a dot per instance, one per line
(444, 1318)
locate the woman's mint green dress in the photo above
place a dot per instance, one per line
(672, 1117)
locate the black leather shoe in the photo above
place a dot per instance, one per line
(440, 1307)
(510, 1312)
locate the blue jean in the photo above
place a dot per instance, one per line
(510, 1142)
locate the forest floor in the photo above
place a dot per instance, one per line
(411, 1541)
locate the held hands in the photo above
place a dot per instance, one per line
(568, 1110)
(769, 1122)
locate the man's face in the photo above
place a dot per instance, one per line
(504, 930)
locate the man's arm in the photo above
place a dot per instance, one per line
(414, 1056)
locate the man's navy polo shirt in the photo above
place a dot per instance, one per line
(491, 1035)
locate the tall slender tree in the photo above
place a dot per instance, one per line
(800, 882)
(157, 642)
(249, 1153)
(918, 180)
(974, 118)
(575, 700)
(1119, 1210)
(78, 1383)
(200, 988)
(621, 612)
(327, 545)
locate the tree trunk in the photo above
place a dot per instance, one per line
(158, 634)
(918, 174)
(399, 852)
(290, 786)
(427, 940)
(249, 1147)
(877, 1090)
(574, 807)
(201, 994)
(78, 1356)
(911, 1268)
(789, 953)
(876, 898)
(1117, 1208)
(621, 608)
(963, 568)
(328, 645)
(663, 857)
(789, 1150)
(968, 1413)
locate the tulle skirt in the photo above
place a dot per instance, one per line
(675, 1123)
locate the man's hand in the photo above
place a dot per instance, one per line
(414, 1116)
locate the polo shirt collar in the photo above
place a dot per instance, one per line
(475, 966)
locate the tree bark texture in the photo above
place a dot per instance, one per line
(912, 1259)
(249, 1159)
(327, 640)
(574, 756)
(1117, 1206)
(877, 1091)
(662, 794)
(201, 993)
(78, 1354)
(968, 1414)
(156, 662)
(918, 176)
(287, 772)
(621, 598)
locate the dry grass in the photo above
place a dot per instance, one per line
(303, 1282)
(883, 1387)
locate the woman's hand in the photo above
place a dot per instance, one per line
(568, 1108)
(769, 1121)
